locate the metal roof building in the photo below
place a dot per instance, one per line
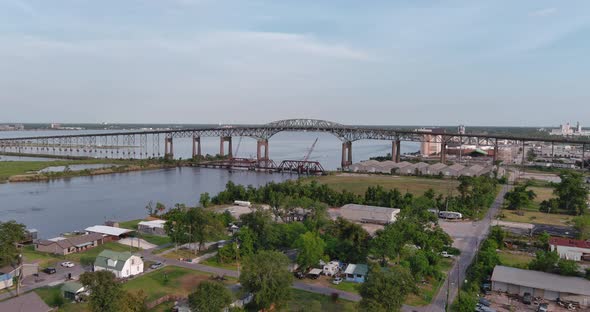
(368, 214)
(540, 284)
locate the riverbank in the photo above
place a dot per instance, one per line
(29, 171)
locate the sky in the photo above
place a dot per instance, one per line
(500, 62)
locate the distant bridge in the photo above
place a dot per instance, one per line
(145, 144)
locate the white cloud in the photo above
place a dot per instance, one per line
(543, 12)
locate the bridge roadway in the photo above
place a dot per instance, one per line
(135, 144)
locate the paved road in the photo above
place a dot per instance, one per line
(468, 243)
(31, 283)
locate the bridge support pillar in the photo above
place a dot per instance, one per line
(222, 146)
(197, 146)
(443, 151)
(346, 154)
(583, 156)
(168, 148)
(260, 155)
(396, 151)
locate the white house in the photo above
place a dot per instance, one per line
(122, 264)
(152, 227)
(570, 249)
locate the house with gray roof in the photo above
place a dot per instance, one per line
(368, 214)
(68, 245)
(122, 264)
(356, 273)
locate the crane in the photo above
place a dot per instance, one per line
(306, 158)
(235, 154)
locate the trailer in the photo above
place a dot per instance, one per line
(450, 215)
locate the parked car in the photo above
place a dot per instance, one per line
(49, 270)
(337, 280)
(299, 275)
(67, 264)
(527, 298)
(485, 302)
(446, 254)
(543, 307)
(156, 265)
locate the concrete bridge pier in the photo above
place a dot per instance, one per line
(495, 157)
(222, 141)
(168, 148)
(346, 154)
(396, 151)
(196, 146)
(443, 151)
(260, 144)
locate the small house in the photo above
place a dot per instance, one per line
(356, 273)
(155, 227)
(73, 291)
(570, 249)
(7, 275)
(122, 264)
(68, 245)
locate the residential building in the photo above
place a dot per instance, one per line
(29, 302)
(155, 227)
(368, 214)
(540, 284)
(68, 245)
(7, 275)
(356, 273)
(122, 264)
(570, 249)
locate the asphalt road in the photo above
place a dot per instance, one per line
(468, 242)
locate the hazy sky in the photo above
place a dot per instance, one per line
(254, 61)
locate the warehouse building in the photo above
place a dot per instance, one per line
(570, 249)
(540, 284)
(368, 214)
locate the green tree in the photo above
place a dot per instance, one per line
(519, 197)
(135, 301)
(386, 289)
(160, 208)
(310, 250)
(582, 225)
(571, 193)
(465, 303)
(498, 235)
(568, 267)
(544, 261)
(205, 200)
(210, 297)
(105, 291)
(11, 233)
(267, 276)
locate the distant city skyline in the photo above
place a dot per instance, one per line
(477, 63)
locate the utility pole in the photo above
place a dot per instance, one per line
(19, 273)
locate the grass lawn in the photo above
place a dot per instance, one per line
(358, 183)
(537, 217)
(164, 307)
(213, 262)
(515, 260)
(347, 286)
(170, 280)
(92, 253)
(132, 224)
(426, 293)
(303, 301)
(44, 259)
(155, 239)
(48, 294)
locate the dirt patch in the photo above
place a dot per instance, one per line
(189, 282)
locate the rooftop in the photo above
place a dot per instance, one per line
(119, 257)
(153, 223)
(29, 302)
(560, 241)
(542, 280)
(360, 269)
(108, 230)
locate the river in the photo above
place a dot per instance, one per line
(76, 203)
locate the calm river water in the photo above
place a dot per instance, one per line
(65, 205)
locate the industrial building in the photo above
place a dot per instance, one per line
(540, 284)
(368, 214)
(570, 249)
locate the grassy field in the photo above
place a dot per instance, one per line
(132, 224)
(305, 301)
(537, 217)
(12, 168)
(347, 286)
(514, 260)
(150, 238)
(213, 262)
(44, 259)
(358, 183)
(170, 280)
(543, 193)
(427, 291)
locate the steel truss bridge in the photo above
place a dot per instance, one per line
(147, 144)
